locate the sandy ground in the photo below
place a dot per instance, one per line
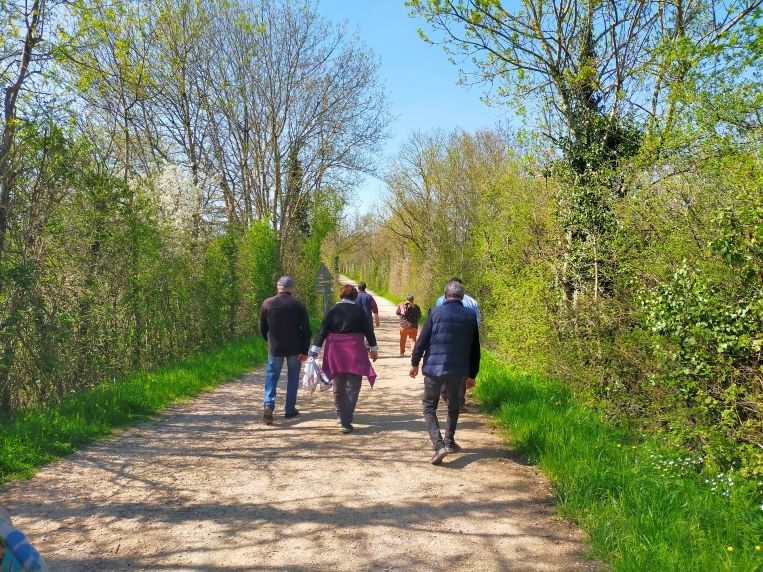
(207, 487)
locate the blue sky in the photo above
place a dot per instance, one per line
(420, 81)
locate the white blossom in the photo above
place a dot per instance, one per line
(177, 196)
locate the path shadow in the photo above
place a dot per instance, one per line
(253, 490)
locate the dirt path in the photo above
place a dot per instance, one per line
(207, 487)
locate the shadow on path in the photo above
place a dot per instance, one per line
(207, 487)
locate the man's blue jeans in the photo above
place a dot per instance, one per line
(273, 372)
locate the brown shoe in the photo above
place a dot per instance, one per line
(267, 416)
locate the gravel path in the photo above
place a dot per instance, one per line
(207, 487)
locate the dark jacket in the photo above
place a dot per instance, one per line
(285, 325)
(367, 302)
(449, 342)
(345, 318)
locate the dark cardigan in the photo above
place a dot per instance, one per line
(346, 318)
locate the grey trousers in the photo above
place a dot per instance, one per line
(346, 391)
(432, 388)
(461, 393)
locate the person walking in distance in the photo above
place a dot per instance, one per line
(450, 347)
(409, 313)
(286, 327)
(470, 303)
(346, 331)
(367, 302)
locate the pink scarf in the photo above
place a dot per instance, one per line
(347, 353)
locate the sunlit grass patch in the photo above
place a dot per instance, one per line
(645, 506)
(40, 435)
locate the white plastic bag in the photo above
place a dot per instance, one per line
(311, 376)
(325, 383)
(314, 377)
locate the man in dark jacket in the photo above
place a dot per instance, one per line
(286, 327)
(367, 302)
(450, 345)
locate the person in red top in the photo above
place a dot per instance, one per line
(410, 314)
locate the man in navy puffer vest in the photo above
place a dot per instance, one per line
(450, 345)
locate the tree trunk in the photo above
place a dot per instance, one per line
(9, 117)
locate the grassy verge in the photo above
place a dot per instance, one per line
(37, 436)
(644, 506)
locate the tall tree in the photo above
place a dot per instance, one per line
(178, 113)
(110, 64)
(597, 75)
(30, 145)
(22, 56)
(297, 86)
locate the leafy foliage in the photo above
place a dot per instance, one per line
(646, 278)
(710, 332)
(154, 180)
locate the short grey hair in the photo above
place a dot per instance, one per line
(285, 282)
(454, 289)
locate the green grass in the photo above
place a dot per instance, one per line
(644, 506)
(40, 435)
